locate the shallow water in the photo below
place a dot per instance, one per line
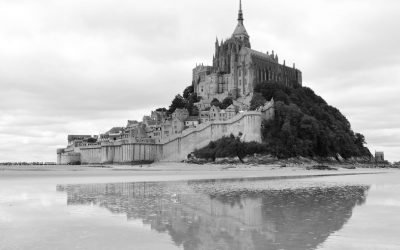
(338, 212)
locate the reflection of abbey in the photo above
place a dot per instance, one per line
(235, 71)
(216, 215)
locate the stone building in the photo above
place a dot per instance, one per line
(204, 116)
(192, 121)
(214, 113)
(236, 68)
(181, 114)
(231, 111)
(166, 129)
(75, 139)
(159, 116)
(178, 125)
(379, 157)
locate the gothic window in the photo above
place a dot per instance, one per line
(240, 72)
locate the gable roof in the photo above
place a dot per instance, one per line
(216, 108)
(115, 130)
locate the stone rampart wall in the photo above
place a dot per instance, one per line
(69, 158)
(118, 153)
(176, 148)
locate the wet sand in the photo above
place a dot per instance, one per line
(167, 172)
(149, 207)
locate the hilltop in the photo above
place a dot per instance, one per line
(304, 125)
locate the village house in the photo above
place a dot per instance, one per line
(214, 113)
(159, 116)
(222, 115)
(181, 114)
(178, 125)
(203, 104)
(166, 129)
(231, 111)
(192, 122)
(204, 116)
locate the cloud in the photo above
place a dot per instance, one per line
(83, 67)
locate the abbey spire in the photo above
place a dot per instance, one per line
(240, 16)
(240, 31)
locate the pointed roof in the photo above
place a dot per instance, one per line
(240, 29)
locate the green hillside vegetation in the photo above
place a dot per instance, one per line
(229, 146)
(188, 99)
(304, 125)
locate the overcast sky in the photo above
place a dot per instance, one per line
(82, 67)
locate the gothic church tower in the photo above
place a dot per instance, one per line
(226, 52)
(240, 31)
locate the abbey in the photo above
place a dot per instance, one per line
(236, 69)
(172, 135)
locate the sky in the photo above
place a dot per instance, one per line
(82, 67)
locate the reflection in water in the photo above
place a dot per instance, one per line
(212, 215)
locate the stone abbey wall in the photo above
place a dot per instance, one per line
(68, 156)
(176, 148)
(118, 153)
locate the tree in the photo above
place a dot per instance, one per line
(229, 146)
(257, 101)
(195, 111)
(216, 102)
(226, 102)
(305, 125)
(359, 140)
(188, 90)
(161, 109)
(178, 102)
